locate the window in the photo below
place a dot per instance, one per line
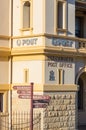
(79, 26)
(60, 75)
(61, 14)
(26, 14)
(26, 72)
(1, 102)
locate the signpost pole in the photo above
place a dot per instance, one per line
(31, 114)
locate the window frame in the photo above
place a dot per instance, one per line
(64, 13)
(22, 17)
(26, 75)
(81, 22)
(60, 76)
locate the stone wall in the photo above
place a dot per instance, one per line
(61, 113)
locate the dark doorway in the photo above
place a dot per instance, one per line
(80, 94)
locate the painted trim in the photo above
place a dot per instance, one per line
(4, 58)
(5, 51)
(26, 75)
(5, 37)
(27, 50)
(28, 57)
(26, 29)
(44, 35)
(5, 87)
(48, 51)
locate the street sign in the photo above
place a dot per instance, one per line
(41, 101)
(39, 105)
(26, 92)
(41, 97)
(24, 96)
(22, 87)
(23, 92)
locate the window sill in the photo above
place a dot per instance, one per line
(26, 29)
(61, 29)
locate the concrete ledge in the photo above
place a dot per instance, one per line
(66, 87)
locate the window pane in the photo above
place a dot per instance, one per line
(79, 27)
(26, 15)
(60, 15)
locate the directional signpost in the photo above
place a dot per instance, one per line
(40, 101)
(26, 92)
(37, 101)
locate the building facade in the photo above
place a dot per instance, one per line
(43, 41)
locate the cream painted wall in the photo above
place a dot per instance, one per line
(4, 17)
(4, 43)
(16, 17)
(35, 71)
(38, 17)
(49, 16)
(4, 72)
(20, 104)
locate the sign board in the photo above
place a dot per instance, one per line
(22, 87)
(24, 96)
(26, 92)
(36, 97)
(39, 105)
(41, 101)
(23, 92)
(26, 42)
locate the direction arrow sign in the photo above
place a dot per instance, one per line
(41, 97)
(41, 101)
(24, 96)
(22, 87)
(23, 92)
(39, 105)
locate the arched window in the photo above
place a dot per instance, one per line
(80, 94)
(26, 14)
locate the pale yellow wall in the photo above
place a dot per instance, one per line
(4, 17)
(34, 68)
(38, 18)
(4, 72)
(4, 43)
